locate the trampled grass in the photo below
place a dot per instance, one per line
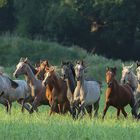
(21, 126)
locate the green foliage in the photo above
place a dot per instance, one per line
(69, 22)
(12, 48)
(3, 3)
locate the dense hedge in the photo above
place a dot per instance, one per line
(116, 23)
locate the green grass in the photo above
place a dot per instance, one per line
(41, 126)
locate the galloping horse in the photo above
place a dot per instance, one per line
(37, 89)
(68, 74)
(130, 78)
(57, 91)
(87, 93)
(14, 90)
(118, 95)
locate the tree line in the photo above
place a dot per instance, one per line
(107, 27)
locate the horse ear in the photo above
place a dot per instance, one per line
(138, 63)
(107, 68)
(131, 66)
(62, 62)
(26, 59)
(122, 64)
(21, 59)
(82, 62)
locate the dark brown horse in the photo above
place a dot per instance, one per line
(56, 92)
(118, 95)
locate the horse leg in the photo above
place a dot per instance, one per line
(10, 106)
(124, 112)
(118, 113)
(82, 108)
(24, 105)
(133, 105)
(96, 108)
(89, 110)
(105, 109)
(35, 104)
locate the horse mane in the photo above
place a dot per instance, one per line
(13, 83)
(72, 69)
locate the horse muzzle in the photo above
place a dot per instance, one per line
(15, 75)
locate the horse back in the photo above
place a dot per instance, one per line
(92, 91)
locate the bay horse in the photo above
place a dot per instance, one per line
(57, 92)
(118, 95)
(86, 93)
(37, 89)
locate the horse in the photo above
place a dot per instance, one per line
(137, 94)
(118, 95)
(86, 93)
(57, 93)
(68, 74)
(129, 77)
(41, 69)
(13, 90)
(37, 89)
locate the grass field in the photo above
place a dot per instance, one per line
(40, 126)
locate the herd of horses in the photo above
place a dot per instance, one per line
(69, 91)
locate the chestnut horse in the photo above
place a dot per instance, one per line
(56, 91)
(118, 95)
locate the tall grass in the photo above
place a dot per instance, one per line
(41, 126)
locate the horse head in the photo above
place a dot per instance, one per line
(126, 73)
(79, 70)
(110, 75)
(48, 75)
(20, 68)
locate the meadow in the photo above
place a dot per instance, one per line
(40, 126)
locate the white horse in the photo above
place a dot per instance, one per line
(13, 90)
(87, 93)
(133, 80)
(129, 77)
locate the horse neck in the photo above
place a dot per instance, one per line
(40, 74)
(71, 80)
(133, 80)
(30, 76)
(32, 68)
(80, 83)
(56, 83)
(114, 86)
